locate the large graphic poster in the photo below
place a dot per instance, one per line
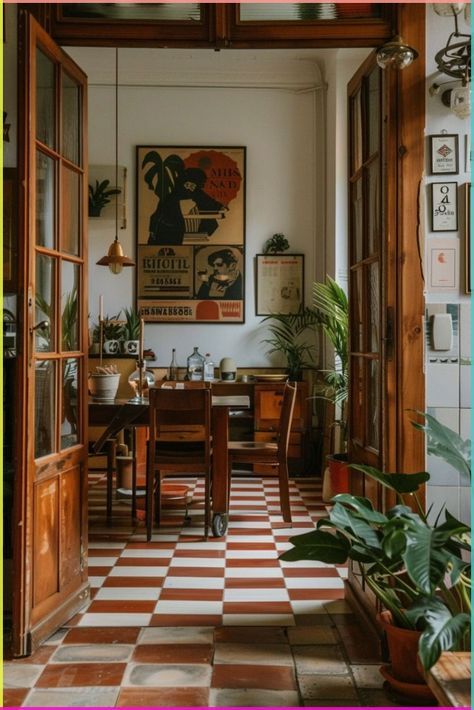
(190, 234)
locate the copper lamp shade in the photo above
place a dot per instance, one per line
(115, 258)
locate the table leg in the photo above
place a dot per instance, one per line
(111, 467)
(220, 470)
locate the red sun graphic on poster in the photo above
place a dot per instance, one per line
(223, 175)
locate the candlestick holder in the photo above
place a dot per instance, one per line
(140, 381)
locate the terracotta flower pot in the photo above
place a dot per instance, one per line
(336, 476)
(403, 648)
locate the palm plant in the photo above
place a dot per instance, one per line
(131, 327)
(331, 306)
(100, 195)
(289, 337)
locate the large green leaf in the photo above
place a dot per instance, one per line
(446, 444)
(343, 518)
(399, 482)
(362, 506)
(394, 544)
(443, 632)
(425, 560)
(322, 546)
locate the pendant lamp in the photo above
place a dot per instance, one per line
(115, 258)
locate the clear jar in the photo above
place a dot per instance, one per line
(147, 380)
(195, 366)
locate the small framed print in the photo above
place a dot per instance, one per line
(280, 284)
(444, 153)
(444, 207)
(443, 258)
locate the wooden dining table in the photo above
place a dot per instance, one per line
(119, 414)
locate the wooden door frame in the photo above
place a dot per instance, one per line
(404, 388)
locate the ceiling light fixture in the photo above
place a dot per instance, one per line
(115, 258)
(396, 54)
(454, 60)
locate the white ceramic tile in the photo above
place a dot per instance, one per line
(314, 583)
(465, 423)
(313, 564)
(105, 544)
(138, 571)
(92, 653)
(23, 675)
(176, 634)
(442, 385)
(199, 545)
(188, 607)
(167, 676)
(465, 509)
(141, 537)
(255, 595)
(96, 581)
(151, 554)
(115, 620)
(257, 525)
(128, 593)
(252, 572)
(249, 538)
(102, 561)
(309, 606)
(250, 697)
(197, 562)
(90, 696)
(258, 620)
(251, 554)
(194, 583)
(295, 518)
(283, 546)
(465, 386)
(465, 331)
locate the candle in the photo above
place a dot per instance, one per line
(142, 339)
(101, 307)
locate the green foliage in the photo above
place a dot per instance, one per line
(447, 444)
(131, 327)
(99, 196)
(276, 244)
(417, 569)
(112, 327)
(290, 334)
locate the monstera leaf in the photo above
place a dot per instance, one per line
(161, 177)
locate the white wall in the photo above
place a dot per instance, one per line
(279, 127)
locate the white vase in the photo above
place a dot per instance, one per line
(111, 347)
(103, 388)
(131, 347)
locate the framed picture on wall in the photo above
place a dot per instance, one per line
(191, 234)
(467, 236)
(444, 206)
(443, 264)
(280, 283)
(444, 154)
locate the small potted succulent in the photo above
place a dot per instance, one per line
(99, 196)
(131, 332)
(112, 330)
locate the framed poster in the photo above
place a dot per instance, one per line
(467, 236)
(444, 154)
(444, 207)
(10, 229)
(280, 283)
(190, 234)
(443, 256)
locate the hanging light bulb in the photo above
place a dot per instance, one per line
(396, 54)
(458, 100)
(115, 258)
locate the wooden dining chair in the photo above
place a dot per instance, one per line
(179, 442)
(274, 454)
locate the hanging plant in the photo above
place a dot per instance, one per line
(99, 196)
(276, 244)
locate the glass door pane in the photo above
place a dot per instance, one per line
(45, 99)
(69, 306)
(70, 211)
(45, 203)
(45, 304)
(45, 408)
(71, 111)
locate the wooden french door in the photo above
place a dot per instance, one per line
(50, 545)
(386, 374)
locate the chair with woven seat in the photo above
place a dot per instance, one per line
(180, 442)
(273, 454)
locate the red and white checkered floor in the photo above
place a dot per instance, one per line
(224, 622)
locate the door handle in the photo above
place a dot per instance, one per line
(41, 324)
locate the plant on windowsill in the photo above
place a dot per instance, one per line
(131, 331)
(331, 305)
(290, 338)
(416, 568)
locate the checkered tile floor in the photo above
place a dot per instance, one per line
(182, 621)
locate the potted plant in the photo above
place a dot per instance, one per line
(103, 383)
(288, 333)
(277, 244)
(112, 330)
(131, 331)
(415, 567)
(331, 305)
(100, 195)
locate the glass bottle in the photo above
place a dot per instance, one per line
(173, 368)
(208, 368)
(195, 365)
(140, 381)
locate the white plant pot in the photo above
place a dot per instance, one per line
(131, 347)
(103, 388)
(112, 347)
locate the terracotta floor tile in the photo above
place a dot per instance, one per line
(133, 582)
(250, 518)
(14, 697)
(81, 674)
(196, 572)
(360, 646)
(250, 530)
(242, 676)
(39, 657)
(308, 572)
(103, 552)
(151, 545)
(186, 620)
(296, 594)
(142, 562)
(248, 583)
(98, 571)
(199, 553)
(257, 608)
(173, 653)
(209, 595)
(125, 606)
(249, 634)
(163, 697)
(102, 635)
(251, 546)
(252, 563)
